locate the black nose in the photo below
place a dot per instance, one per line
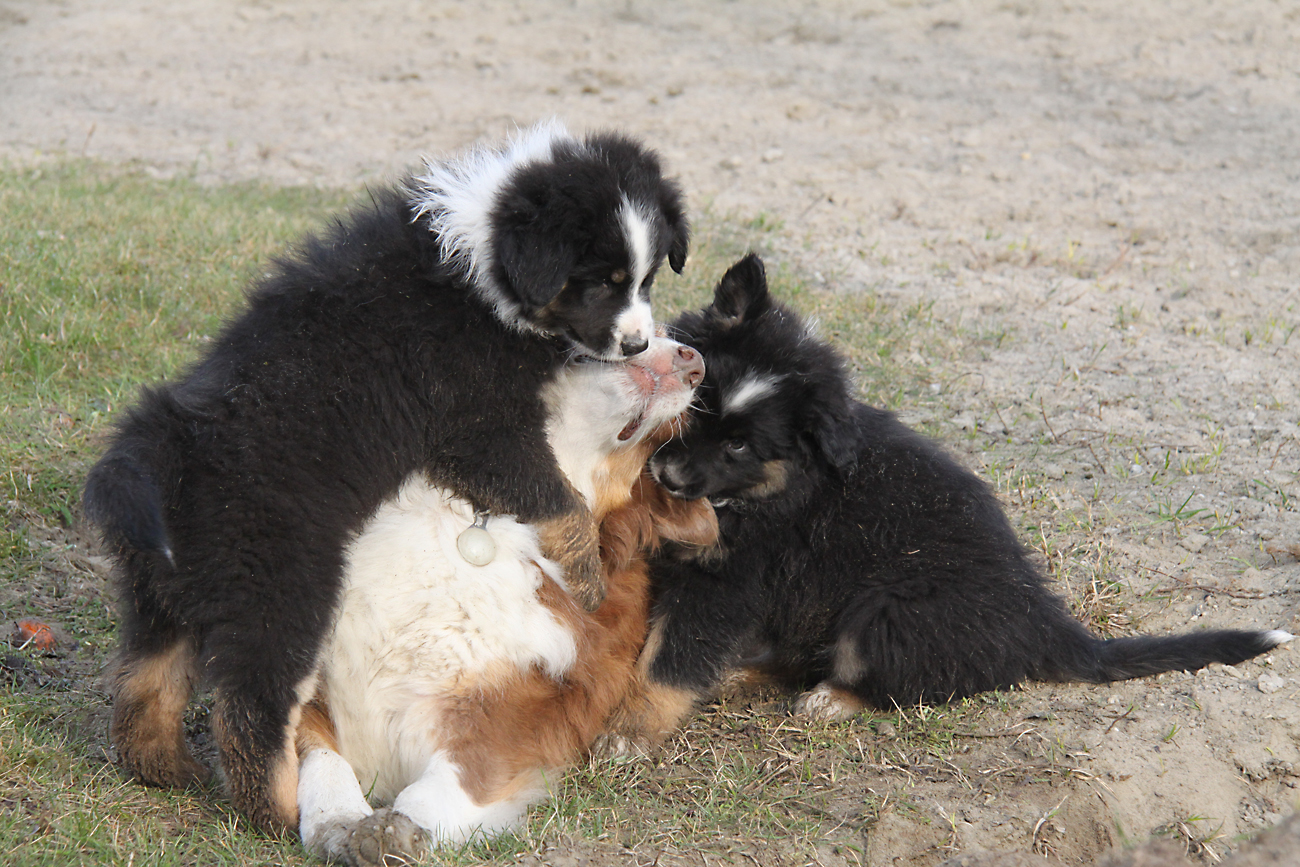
(668, 473)
(633, 346)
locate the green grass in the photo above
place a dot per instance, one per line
(110, 279)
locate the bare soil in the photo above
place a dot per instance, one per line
(1098, 203)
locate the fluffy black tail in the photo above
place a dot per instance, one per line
(1103, 661)
(123, 500)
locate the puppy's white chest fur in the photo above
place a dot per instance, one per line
(418, 627)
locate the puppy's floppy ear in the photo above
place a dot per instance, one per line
(836, 433)
(829, 421)
(536, 263)
(741, 294)
(680, 231)
(536, 250)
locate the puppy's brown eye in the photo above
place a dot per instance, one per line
(619, 276)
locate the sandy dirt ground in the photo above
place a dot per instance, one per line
(1100, 200)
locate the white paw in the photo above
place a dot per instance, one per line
(386, 838)
(620, 748)
(825, 703)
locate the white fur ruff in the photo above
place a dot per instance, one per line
(458, 196)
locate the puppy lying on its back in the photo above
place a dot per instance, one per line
(853, 553)
(449, 691)
(413, 337)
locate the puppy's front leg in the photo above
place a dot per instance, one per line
(650, 712)
(530, 485)
(337, 824)
(330, 803)
(441, 803)
(573, 541)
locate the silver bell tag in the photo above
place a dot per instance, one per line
(475, 544)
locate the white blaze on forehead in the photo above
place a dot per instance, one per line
(751, 388)
(637, 235)
(637, 320)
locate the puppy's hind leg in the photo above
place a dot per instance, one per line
(151, 683)
(255, 722)
(151, 687)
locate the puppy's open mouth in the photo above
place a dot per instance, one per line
(630, 429)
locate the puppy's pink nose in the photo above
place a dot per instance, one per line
(688, 365)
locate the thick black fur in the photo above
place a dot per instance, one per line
(228, 497)
(855, 552)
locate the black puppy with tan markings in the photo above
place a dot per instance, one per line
(414, 336)
(855, 556)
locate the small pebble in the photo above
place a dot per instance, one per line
(1270, 683)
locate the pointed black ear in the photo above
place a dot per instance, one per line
(536, 258)
(742, 292)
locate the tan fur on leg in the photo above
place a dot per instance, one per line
(316, 730)
(573, 541)
(149, 698)
(264, 788)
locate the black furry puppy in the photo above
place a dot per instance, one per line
(414, 336)
(854, 554)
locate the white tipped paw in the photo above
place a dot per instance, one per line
(620, 748)
(386, 838)
(825, 703)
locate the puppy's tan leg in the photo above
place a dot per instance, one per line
(261, 766)
(573, 541)
(645, 719)
(150, 692)
(650, 712)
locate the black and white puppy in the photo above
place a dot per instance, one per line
(414, 336)
(854, 554)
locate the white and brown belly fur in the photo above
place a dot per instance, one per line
(448, 690)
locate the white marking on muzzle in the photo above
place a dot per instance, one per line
(636, 322)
